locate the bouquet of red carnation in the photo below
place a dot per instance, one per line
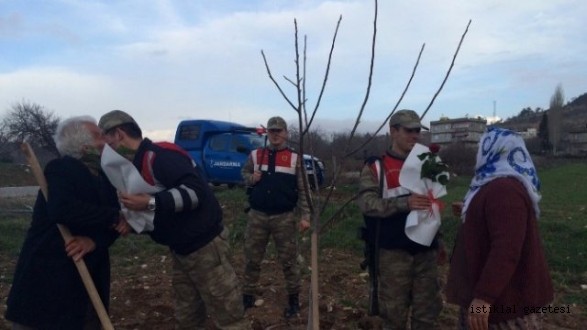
(432, 167)
(424, 173)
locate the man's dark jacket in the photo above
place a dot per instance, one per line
(47, 291)
(188, 215)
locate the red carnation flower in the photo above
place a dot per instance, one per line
(434, 148)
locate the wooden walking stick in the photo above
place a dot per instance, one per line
(66, 234)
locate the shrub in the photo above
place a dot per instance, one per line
(459, 157)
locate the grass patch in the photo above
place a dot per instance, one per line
(13, 230)
(563, 228)
(343, 231)
(15, 175)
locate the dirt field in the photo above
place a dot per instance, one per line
(144, 301)
(141, 296)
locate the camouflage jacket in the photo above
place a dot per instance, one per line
(387, 208)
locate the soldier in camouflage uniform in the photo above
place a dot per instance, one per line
(187, 219)
(408, 273)
(274, 175)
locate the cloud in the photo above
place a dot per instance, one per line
(170, 60)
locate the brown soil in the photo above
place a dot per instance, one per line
(144, 300)
(141, 297)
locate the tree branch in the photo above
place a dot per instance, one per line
(448, 72)
(395, 107)
(275, 82)
(326, 74)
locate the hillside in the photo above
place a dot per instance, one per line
(574, 116)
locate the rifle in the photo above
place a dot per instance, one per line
(371, 262)
(371, 253)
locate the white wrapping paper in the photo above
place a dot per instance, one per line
(421, 225)
(125, 177)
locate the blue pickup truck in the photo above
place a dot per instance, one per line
(221, 149)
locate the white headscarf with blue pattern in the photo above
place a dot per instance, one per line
(502, 153)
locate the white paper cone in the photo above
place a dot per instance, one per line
(421, 226)
(125, 177)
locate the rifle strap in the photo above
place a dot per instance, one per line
(259, 167)
(263, 155)
(378, 222)
(374, 296)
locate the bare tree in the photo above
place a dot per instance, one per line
(4, 150)
(557, 102)
(3, 137)
(299, 104)
(31, 122)
(543, 133)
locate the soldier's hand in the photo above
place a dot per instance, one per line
(137, 202)
(256, 176)
(419, 202)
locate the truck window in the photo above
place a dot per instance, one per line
(189, 132)
(219, 142)
(256, 141)
(237, 141)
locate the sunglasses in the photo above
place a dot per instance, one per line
(275, 130)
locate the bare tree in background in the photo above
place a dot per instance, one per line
(4, 150)
(31, 122)
(557, 102)
(299, 104)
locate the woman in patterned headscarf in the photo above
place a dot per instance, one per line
(498, 271)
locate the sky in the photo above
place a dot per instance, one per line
(164, 61)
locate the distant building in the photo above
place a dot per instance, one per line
(460, 130)
(529, 133)
(575, 142)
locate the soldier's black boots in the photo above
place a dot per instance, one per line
(248, 301)
(294, 306)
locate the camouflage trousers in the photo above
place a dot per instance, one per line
(409, 281)
(205, 284)
(283, 229)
